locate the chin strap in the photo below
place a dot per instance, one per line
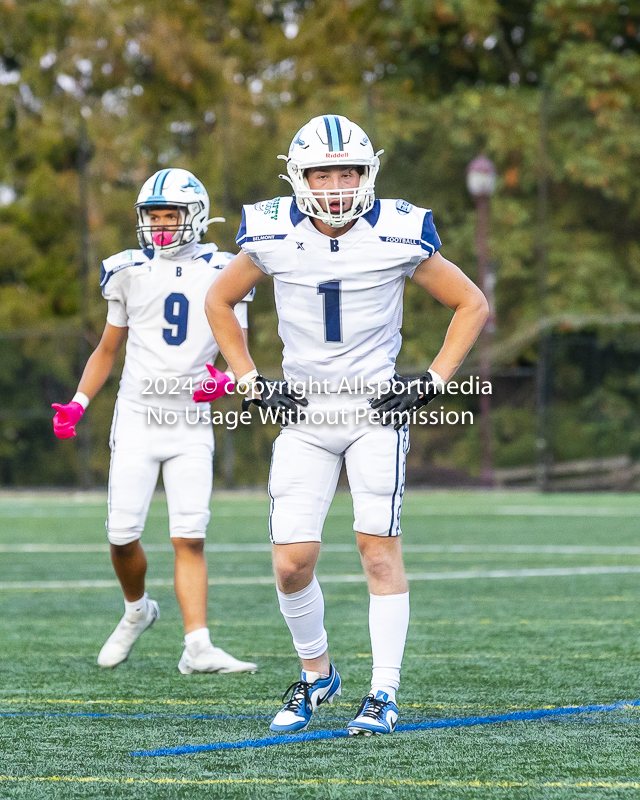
(215, 219)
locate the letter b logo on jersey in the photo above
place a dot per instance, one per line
(178, 272)
(335, 245)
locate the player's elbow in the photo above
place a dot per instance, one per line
(476, 305)
(211, 299)
(481, 307)
(215, 302)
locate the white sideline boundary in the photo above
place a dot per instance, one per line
(547, 572)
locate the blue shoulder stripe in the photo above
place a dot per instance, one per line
(429, 239)
(242, 230)
(295, 214)
(106, 276)
(373, 215)
(242, 237)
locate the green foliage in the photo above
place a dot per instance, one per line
(220, 86)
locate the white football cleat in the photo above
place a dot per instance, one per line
(213, 659)
(118, 646)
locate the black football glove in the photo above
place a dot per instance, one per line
(405, 396)
(276, 395)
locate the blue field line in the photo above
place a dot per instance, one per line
(97, 715)
(455, 722)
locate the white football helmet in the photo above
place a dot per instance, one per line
(332, 139)
(173, 188)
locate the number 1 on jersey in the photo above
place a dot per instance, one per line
(176, 312)
(330, 291)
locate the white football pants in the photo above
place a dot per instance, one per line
(306, 462)
(138, 448)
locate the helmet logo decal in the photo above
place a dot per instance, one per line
(297, 139)
(193, 183)
(334, 133)
(336, 155)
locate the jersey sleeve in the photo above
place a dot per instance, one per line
(113, 282)
(409, 231)
(263, 226)
(117, 314)
(429, 242)
(429, 239)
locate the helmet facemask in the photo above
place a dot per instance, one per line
(184, 233)
(362, 196)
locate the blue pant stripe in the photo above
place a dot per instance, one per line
(395, 491)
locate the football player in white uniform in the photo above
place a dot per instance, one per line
(339, 259)
(155, 304)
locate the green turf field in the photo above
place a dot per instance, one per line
(507, 640)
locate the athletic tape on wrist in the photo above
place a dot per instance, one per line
(438, 382)
(246, 381)
(81, 397)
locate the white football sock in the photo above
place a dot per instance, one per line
(197, 641)
(303, 612)
(388, 624)
(310, 676)
(133, 610)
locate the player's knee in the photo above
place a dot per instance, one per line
(125, 553)
(293, 567)
(379, 568)
(293, 576)
(187, 545)
(379, 560)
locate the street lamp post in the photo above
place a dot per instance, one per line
(84, 156)
(481, 183)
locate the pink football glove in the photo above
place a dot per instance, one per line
(64, 422)
(214, 387)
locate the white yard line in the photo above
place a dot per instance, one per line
(566, 511)
(265, 547)
(549, 572)
(15, 511)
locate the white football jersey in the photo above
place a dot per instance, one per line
(161, 301)
(339, 300)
